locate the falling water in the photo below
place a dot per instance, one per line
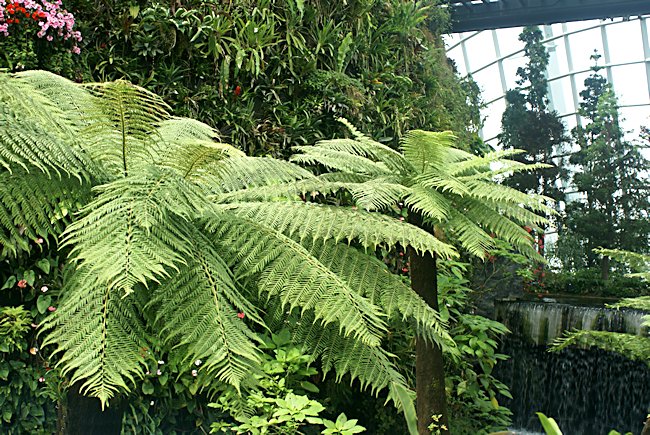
(588, 391)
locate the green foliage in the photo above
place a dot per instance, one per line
(613, 211)
(528, 124)
(589, 282)
(272, 74)
(471, 387)
(274, 407)
(551, 427)
(549, 424)
(162, 249)
(29, 385)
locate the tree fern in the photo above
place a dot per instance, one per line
(174, 226)
(446, 191)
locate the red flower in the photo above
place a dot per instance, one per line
(237, 91)
(241, 315)
(22, 283)
(405, 269)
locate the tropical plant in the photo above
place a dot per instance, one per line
(447, 192)
(171, 244)
(270, 74)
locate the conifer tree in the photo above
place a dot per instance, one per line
(529, 124)
(613, 209)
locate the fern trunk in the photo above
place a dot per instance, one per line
(429, 363)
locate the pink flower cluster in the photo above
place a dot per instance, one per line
(49, 16)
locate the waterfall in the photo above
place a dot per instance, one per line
(588, 391)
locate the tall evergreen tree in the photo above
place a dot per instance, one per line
(528, 123)
(613, 209)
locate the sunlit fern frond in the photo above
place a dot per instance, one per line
(239, 173)
(309, 221)
(123, 134)
(427, 150)
(634, 347)
(640, 303)
(177, 129)
(491, 221)
(281, 268)
(36, 135)
(33, 205)
(134, 230)
(491, 192)
(71, 98)
(371, 278)
(371, 365)
(469, 234)
(338, 160)
(429, 203)
(99, 336)
(197, 316)
(363, 146)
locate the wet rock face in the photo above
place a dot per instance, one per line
(588, 391)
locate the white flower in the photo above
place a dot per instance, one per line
(44, 288)
(151, 403)
(158, 372)
(161, 362)
(255, 30)
(194, 373)
(198, 362)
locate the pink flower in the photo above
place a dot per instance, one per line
(241, 315)
(41, 379)
(39, 240)
(22, 283)
(51, 309)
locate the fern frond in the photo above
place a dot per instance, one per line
(33, 205)
(177, 129)
(431, 150)
(640, 263)
(196, 314)
(123, 133)
(281, 268)
(309, 221)
(99, 335)
(35, 134)
(237, 173)
(371, 278)
(471, 236)
(499, 193)
(640, 303)
(378, 194)
(135, 229)
(492, 221)
(428, 203)
(338, 160)
(634, 347)
(364, 146)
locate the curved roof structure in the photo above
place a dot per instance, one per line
(471, 15)
(492, 57)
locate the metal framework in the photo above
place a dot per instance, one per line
(562, 35)
(470, 15)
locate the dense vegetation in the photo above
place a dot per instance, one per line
(195, 231)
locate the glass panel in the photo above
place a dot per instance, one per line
(480, 50)
(630, 84)
(490, 83)
(582, 47)
(625, 42)
(492, 124)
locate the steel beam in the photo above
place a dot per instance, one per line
(495, 14)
